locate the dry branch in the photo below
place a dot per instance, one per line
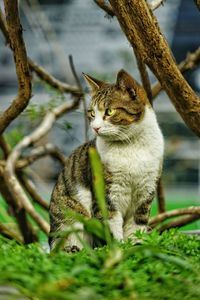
(10, 234)
(51, 80)
(40, 71)
(39, 152)
(29, 187)
(9, 174)
(4, 146)
(109, 10)
(194, 210)
(191, 61)
(24, 79)
(143, 32)
(26, 229)
(179, 222)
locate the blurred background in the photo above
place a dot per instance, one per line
(55, 29)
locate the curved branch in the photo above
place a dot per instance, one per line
(10, 234)
(9, 174)
(24, 79)
(51, 80)
(142, 31)
(28, 185)
(40, 71)
(4, 146)
(39, 152)
(179, 222)
(193, 210)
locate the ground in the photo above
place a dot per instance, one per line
(163, 266)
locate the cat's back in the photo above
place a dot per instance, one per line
(76, 172)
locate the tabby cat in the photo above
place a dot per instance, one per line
(130, 145)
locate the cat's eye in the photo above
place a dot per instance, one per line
(91, 113)
(109, 112)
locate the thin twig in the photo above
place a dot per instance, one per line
(39, 70)
(193, 210)
(51, 80)
(83, 96)
(179, 222)
(39, 152)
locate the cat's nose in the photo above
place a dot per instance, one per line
(96, 129)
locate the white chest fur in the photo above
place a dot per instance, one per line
(135, 166)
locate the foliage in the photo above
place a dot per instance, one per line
(162, 267)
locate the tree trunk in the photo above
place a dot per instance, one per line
(142, 31)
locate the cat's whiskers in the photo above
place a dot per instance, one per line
(124, 136)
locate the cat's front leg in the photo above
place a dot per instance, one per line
(116, 225)
(138, 221)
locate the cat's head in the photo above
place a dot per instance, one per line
(115, 109)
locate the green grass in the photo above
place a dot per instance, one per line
(162, 267)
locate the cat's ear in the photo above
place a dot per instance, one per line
(94, 84)
(126, 83)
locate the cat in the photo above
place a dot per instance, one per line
(130, 145)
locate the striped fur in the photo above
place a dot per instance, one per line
(130, 145)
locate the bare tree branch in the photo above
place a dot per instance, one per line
(191, 61)
(39, 152)
(22, 69)
(142, 31)
(193, 210)
(4, 146)
(10, 234)
(51, 80)
(28, 185)
(9, 174)
(26, 229)
(109, 10)
(40, 71)
(179, 222)
(4, 28)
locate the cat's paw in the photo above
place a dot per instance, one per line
(71, 249)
